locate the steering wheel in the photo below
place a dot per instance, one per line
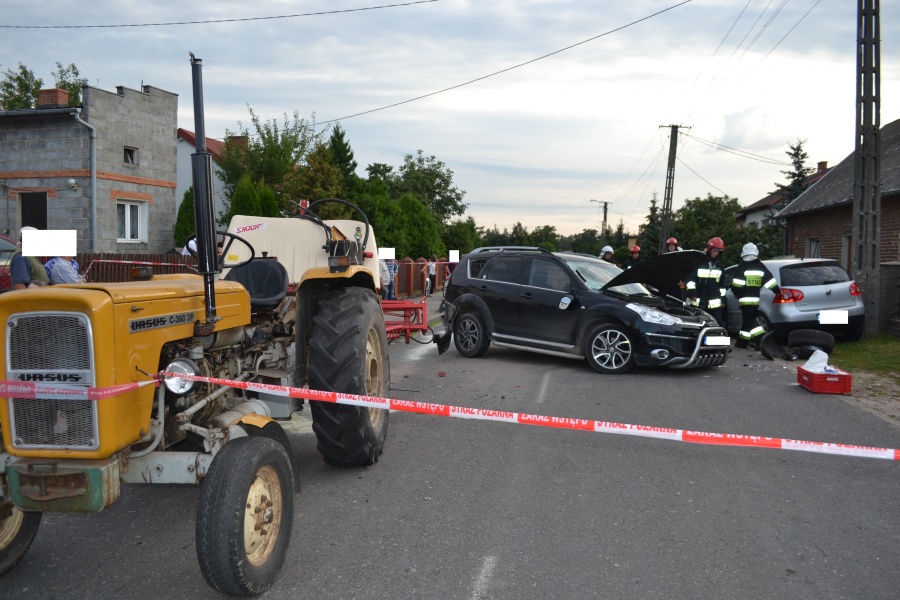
(354, 207)
(230, 239)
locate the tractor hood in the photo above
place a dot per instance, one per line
(662, 272)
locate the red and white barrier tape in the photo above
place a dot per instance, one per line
(16, 389)
(461, 412)
(31, 389)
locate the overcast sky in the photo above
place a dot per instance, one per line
(533, 144)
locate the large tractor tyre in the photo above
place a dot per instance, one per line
(245, 515)
(814, 338)
(609, 350)
(17, 531)
(348, 354)
(470, 336)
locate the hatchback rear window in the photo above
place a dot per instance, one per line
(812, 274)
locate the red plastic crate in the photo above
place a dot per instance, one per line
(825, 383)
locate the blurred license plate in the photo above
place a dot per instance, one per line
(833, 317)
(718, 340)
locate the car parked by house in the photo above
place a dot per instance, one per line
(7, 247)
(579, 306)
(816, 293)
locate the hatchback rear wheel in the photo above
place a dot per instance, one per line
(608, 349)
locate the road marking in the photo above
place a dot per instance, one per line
(543, 391)
(484, 577)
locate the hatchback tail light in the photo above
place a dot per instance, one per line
(788, 295)
(854, 290)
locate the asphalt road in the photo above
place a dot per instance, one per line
(463, 509)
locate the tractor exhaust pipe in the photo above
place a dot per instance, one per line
(204, 225)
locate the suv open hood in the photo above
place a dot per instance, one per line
(662, 272)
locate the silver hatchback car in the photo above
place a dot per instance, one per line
(816, 293)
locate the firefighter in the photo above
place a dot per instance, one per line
(672, 244)
(634, 258)
(750, 276)
(705, 287)
(606, 254)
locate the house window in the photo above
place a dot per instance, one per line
(812, 248)
(131, 156)
(131, 220)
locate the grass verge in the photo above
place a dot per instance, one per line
(879, 355)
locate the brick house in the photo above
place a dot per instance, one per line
(762, 211)
(117, 150)
(820, 221)
(186, 146)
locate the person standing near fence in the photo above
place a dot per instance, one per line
(430, 269)
(393, 267)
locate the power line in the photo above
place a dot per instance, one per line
(312, 14)
(698, 175)
(737, 152)
(533, 60)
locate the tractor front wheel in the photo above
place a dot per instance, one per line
(17, 531)
(348, 354)
(245, 515)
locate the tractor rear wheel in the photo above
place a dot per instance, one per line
(17, 531)
(348, 354)
(245, 515)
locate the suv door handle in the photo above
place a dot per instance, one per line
(527, 296)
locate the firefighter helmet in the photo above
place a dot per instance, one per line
(606, 249)
(750, 251)
(635, 249)
(716, 243)
(672, 241)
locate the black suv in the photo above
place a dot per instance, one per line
(579, 306)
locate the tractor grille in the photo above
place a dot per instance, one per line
(48, 348)
(49, 342)
(53, 423)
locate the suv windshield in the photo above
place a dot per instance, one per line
(595, 274)
(812, 274)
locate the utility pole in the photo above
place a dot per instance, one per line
(603, 236)
(670, 187)
(866, 163)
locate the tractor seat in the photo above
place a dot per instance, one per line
(265, 279)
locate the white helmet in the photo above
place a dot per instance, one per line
(606, 249)
(749, 251)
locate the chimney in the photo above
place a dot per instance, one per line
(823, 166)
(53, 98)
(238, 140)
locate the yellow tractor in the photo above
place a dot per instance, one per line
(82, 409)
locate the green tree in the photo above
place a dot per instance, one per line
(19, 89)
(184, 222)
(545, 237)
(796, 177)
(701, 219)
(586, 242)
(268, 203)
(245, 200)
(320, 178)
(68, 78)
(461, 235)
(381, 171)
(270, 152)
(341, 153)
(650, 231)
(432, 182)
(422, 234)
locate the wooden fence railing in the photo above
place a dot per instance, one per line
(114, 267)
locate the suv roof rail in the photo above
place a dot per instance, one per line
(509, 249)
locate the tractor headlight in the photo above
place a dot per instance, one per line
(178, 385)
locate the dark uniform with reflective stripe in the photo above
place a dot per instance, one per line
(746, 281)
(706, 289)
